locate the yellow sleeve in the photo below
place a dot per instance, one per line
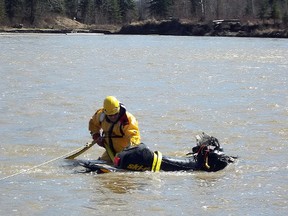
(131, 130)
(95, 123)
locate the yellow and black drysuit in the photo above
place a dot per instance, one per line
(117, 135)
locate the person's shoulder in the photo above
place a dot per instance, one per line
(126, 115)
(99, 116)
(99, 112)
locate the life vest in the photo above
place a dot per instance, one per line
(119, 134)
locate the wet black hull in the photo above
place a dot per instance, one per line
(207, 156)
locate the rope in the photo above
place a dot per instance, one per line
(39, 165)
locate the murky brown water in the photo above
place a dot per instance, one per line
(232, 88)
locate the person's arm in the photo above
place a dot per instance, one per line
(95, 127)
(131, 130)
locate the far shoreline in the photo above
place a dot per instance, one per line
(222, 28)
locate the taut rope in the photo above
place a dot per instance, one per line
(39, 165)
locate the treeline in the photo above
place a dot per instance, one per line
(31, 12)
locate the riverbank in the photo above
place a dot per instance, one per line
(54, 31)
(224, 28)
(229, 28)
(58, 25)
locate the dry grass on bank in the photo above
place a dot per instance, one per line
(57, 22)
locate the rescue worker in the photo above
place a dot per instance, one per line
(114, 128)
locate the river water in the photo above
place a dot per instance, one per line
(232, 88)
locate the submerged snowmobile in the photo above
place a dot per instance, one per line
(207, 155)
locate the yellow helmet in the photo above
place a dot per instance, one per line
(111, 105)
